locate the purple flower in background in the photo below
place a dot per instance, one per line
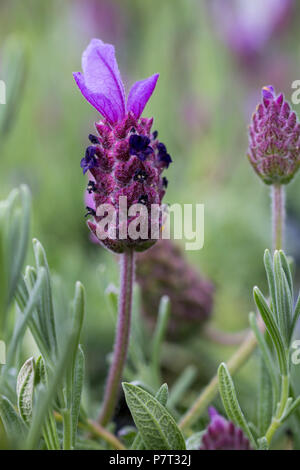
(223, 435)
(274, 139)
(125, 158)
(247, 26)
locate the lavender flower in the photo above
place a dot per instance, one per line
(125, 158)
(223, 435)
(274, 139)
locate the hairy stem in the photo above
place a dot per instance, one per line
(122, 338)
(278, 215)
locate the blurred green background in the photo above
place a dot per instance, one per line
(205, 95)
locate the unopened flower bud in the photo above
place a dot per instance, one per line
(274, 139)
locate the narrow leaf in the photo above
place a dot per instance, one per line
(158, 428)
(266, 355)
(272, 328)
(265, 402)
(162, 396)
(14, 426)
(46, 306)
(77, 391)
(230, 401)
(25, 388)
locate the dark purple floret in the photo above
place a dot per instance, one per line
(165, 182)
(161, 148)
(89, 161)
(91, 187)
(163, 155)
(93, 139)
(143, 199)
(155, 135)
(139, 146)
(140, 175)
(90, 211)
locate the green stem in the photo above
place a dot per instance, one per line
(275, 423)
(278, 215)
(122, 338)
(67, 425)
(209, 393)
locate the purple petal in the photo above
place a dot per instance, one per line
(140, 94)
(101, 82)
(98, 100)
(268, 92)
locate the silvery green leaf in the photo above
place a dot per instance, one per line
(41, 375)
(268, 262)
(27, 315)
(230, 401)
(162, 396)
(14, 66)
(194, 441)
(296, 314)
(292, 405)
(286, 266)
(26, 291)
(272, 329)
(49, 428)
(283, 299)
(14, 426)
(265, 401)
(158, 428)
(77, 391)
(46, 397)
(269, 363)
(73, 395)
(25, 389)
(14, 230)
(45, 309)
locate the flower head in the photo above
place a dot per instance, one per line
(223, 435)
(274, 139)
(125, 159)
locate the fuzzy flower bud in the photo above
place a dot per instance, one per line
(125, 160)
(223, 435)
(274, 139)
(163, 271)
